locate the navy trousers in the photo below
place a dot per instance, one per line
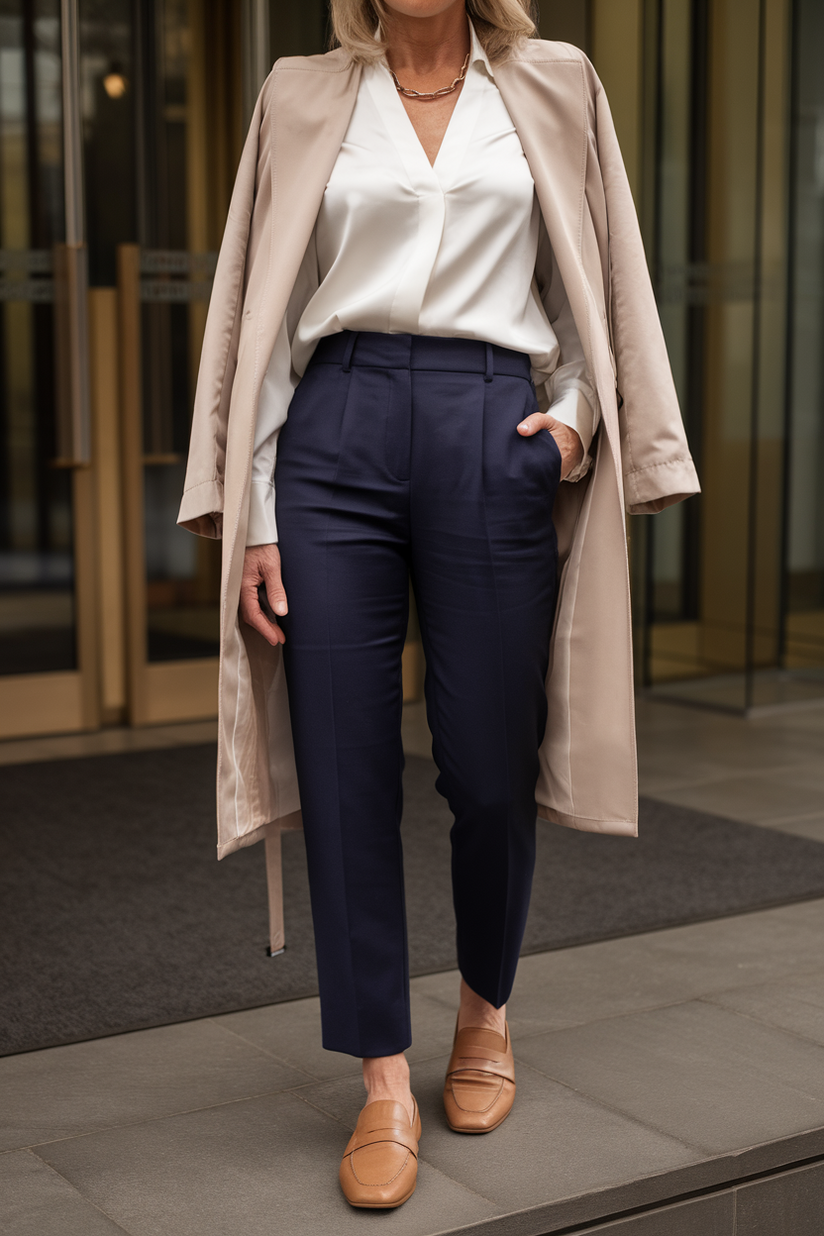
(401, 457)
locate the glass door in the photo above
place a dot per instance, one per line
(727, 612)
(803, 551)
(197, 71)
(48, 654)
(121, 125)
(188, 135)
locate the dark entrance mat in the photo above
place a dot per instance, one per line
(115, 915)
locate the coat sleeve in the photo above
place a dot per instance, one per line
(658, 467)
(201, 509)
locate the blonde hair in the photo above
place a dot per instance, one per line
(499, 24)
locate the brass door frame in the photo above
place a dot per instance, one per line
(164, 691)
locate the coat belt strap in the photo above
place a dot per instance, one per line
(274, 882)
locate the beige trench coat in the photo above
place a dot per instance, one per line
(588, 777)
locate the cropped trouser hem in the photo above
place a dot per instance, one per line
(401, 458)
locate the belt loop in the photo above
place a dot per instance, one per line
(490, 364)
(348, 350)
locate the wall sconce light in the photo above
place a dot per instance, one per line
(114, 83)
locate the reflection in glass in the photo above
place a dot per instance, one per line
(733, 594)
(37, 608)
(804, 585)
(108, 98)
(672, 603)
(182, 577)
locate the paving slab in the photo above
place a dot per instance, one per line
(709, 755)
(257, 1166)
(65, 1091)
(797, 720)
(556, 1144)
(36, 1201)
(742, 949)
(713, 1078)
(794, 1004)
(807, 915)
(811, 827)
(106, 742)
(753, 798)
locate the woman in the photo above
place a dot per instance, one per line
(430, 291)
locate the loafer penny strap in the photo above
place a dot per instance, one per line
(370, 1137)
(470, 1047)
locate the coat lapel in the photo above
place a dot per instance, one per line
(548, 110)
(312, 103)
(546, 96)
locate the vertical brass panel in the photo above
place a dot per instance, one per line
(771, 340)
(85, 566)
(743, 391)
(615, 31)
(105, 396)
(256, 44)
(568, 21)
(35, 704)
(214, 138)
(214, 124)
(731, 184)
(197, 172)
(181, 691)
(131, 446)
(616, 39)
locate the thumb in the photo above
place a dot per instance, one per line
(275, 592)
(538, 420)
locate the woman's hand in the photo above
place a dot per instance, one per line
(261, 565)
(569, 444)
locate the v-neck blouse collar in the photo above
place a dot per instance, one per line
(422, 174)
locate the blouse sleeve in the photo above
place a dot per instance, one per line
(277, 389)
(570, 393)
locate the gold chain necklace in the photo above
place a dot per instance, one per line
(435, 94)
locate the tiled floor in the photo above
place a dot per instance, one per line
(649, 1068)
(644, 1065)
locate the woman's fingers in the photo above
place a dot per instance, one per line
(261, 566)
(253, 615)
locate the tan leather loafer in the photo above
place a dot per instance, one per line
(380, 1164)
(478, 1098)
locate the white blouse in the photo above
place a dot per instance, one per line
(404, 247)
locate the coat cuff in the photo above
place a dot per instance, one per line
(201, 509)
(652, 489)
(262, 528)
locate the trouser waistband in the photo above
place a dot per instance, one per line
(374, 349)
